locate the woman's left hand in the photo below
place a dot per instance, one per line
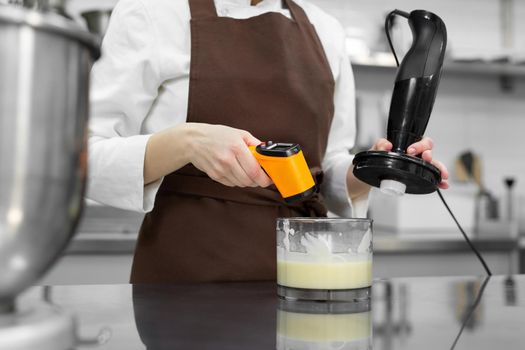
(423, 147)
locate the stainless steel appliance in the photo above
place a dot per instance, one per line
(45, 60)
(97, 21)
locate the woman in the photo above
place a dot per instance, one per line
(183, 88)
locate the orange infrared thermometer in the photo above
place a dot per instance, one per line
(285, 165)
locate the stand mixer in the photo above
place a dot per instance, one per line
(45, 60)
(413, 97)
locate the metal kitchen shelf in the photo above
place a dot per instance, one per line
(466, 68)
(397, 245)
(124, 243)
(109, 243)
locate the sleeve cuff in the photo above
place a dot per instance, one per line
(360, 205)
(116, 173)
(150, 192)
(335, 192)
(334, 188)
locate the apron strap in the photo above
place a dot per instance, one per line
(189, 181)
(202, 9)
(297, 12)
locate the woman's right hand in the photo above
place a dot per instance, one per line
(222, 153)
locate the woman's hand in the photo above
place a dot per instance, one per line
(222, 153)
(357, 188)
(423, 147)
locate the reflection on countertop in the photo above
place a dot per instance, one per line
(406, 313)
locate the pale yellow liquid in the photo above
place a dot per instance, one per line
(324, 275)
(324, 328)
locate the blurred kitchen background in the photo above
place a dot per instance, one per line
(477, 124)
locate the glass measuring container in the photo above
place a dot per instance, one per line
(324, 259)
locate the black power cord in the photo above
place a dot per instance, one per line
(388, 22)
(471, 245)
(471, 311)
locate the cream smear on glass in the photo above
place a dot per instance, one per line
(319, 267)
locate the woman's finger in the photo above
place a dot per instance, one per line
(421, 146)
(252, 168)
(249, 139)
(427, 156)
(442, 168)
(443, 185)
(239, 176)
(382, 145)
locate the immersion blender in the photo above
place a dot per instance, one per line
(414, 94)
(413, 97)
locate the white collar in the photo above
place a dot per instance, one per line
(243, 3)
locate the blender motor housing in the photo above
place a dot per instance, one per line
(413, 98)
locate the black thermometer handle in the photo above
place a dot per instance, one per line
(417, 80)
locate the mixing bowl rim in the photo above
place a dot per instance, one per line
(50, 22)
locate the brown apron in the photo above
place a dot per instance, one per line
(268, 75)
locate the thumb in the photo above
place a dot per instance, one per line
(250, 139)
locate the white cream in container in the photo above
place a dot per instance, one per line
(324, 254)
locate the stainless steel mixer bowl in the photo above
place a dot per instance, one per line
(45, 62)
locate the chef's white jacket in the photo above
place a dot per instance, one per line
(140, 86)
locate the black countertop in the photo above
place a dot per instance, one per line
(408, 313)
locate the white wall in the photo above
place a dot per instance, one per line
(473, 25)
